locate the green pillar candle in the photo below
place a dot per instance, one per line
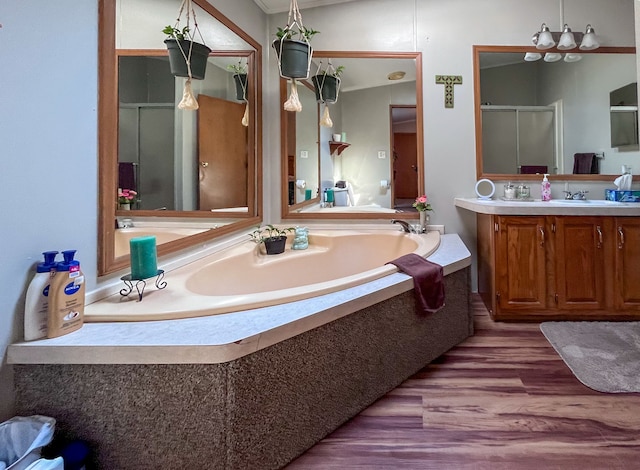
(144, 258)
(329, 195)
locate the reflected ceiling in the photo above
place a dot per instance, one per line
(278, 6)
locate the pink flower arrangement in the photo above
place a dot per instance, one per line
(127, 196)
(422, 204)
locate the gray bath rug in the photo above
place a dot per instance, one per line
(605, 356)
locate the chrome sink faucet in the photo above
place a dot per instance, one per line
(406, 226)
(577, 196)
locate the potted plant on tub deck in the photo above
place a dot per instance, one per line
(274, 238)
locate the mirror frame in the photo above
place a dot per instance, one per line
(288, 212)
(284, 136)
(108, 144)
(477, 49)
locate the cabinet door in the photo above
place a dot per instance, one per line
(580, 267)
(520, 263)
(627, 263)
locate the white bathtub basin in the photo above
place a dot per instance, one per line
(242, 278)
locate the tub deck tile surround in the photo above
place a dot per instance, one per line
(260, 410)
(220, 338)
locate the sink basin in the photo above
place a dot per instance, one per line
(591, 202)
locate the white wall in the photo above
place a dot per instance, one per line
(49, 140)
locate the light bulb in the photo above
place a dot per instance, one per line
(567, 41)
(589, 41)
(545, 39)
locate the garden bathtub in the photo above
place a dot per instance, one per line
(243, 277)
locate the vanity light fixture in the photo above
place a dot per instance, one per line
(567, 40)
(552, 57)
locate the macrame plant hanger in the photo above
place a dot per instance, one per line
(244, 86)
(188, 100)
(325, 120)
(294, 19)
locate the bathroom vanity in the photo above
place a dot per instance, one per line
(558, 260)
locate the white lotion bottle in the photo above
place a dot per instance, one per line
(545, 188)
(37, 300)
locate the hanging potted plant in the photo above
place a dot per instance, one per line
(294, 55)
(274, 238)
(327, 83)
(240, 78)
(187, 58)
(294, 52)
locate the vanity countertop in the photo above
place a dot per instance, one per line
(224, 337)
(553, 207)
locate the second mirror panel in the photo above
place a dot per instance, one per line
(576, 117)
(368, 164)
(176, 160)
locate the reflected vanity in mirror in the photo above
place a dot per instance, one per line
(535, 117)
(193, 171)
(369, 164)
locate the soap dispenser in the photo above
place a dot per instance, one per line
(545, 189)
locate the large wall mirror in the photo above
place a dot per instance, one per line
(195, 170)
(371, 159)
(568, 114)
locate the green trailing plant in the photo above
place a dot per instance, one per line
(176, 33)
(237, 68)
(338, 71)
(262, 234)
(288, 33)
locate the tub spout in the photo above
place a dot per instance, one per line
(406, 226)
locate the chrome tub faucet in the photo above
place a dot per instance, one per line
(406, 226)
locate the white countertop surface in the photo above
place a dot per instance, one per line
(224, 337)
(553, 207)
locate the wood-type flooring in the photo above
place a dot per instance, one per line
(503, 399)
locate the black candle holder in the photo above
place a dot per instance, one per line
(140, 284)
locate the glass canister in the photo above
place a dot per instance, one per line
(523, 192)
(509, 191)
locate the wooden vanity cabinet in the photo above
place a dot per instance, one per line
(559, 267)
(580, 252)
(520, 263)
(627, 263)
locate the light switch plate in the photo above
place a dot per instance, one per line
(382, 154)
(304, 154)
